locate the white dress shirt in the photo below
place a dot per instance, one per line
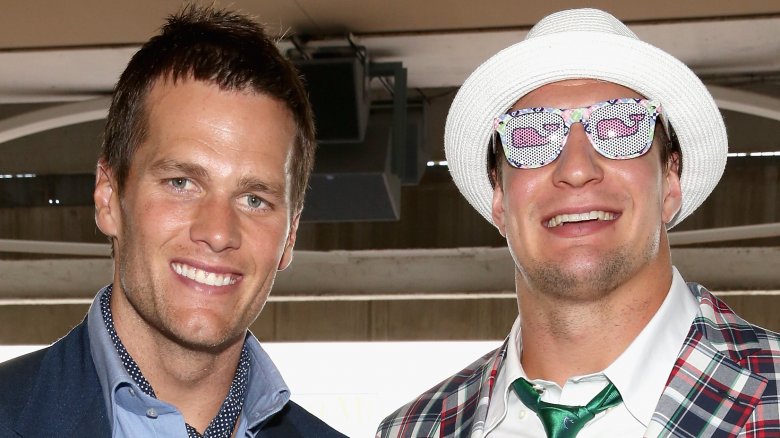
(639, 373)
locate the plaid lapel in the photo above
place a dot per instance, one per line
(710, 392)
(450, 408)
(464, 411)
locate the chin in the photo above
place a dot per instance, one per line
(580, 277)
(203, 333)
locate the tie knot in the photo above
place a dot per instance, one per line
(564, 421)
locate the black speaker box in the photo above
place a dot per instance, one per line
(338, 93)
(357, 181)
(353, 181)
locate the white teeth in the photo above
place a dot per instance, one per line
(580, 217)
(201, 276)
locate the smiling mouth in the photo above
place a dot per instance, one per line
(203, 277)
(596, 215)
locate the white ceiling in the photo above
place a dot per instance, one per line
(75, 50)
(36, 24)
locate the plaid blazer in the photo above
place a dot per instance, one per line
(723, 384)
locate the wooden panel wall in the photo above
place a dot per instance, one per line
(435, 215)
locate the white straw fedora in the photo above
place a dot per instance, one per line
(584, 43)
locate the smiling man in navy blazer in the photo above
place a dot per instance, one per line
(208, 147)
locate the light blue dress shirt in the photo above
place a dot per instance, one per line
(132, 413)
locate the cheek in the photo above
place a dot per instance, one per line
(267, 240)
(523, 193)
(647, 186)
(170, 217)
(155, 218)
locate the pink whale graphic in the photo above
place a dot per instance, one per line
(612, 128)
(526, 137)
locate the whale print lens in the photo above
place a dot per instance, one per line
(621, 131)
(535, 140)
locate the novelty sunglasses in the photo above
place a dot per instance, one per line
(618, 129)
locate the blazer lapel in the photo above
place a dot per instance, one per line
(66, 401)
(464, 411)
(709, 392)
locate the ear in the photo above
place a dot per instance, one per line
(498, 205)
(672, 191)
(106, 196)
(287, 255)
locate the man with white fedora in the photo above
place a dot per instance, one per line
(583, 145)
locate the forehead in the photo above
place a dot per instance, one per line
(228, 132)
(197, 109)
(573, 93)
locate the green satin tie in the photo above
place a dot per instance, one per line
(562, 421)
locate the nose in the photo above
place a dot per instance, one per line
(578, 164)
(216, 224)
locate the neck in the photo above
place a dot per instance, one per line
(562, 338)
(196, 382)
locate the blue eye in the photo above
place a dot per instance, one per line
(179, 183)
(254, 201)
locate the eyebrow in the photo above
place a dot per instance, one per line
(187, 169)
(250, 184)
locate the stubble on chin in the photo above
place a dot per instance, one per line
(559, 283)
(144, 293)
(587, 283)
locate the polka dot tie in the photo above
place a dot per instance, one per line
(223, 424)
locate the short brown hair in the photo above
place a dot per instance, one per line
(215, 46)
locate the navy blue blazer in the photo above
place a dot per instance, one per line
(56, 392)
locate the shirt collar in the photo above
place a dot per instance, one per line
(641, 371)
(267, 393)
(110, 370)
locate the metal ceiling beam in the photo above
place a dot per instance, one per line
(746, 102)
(53, 117)
(462, 273)
(676, 238)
